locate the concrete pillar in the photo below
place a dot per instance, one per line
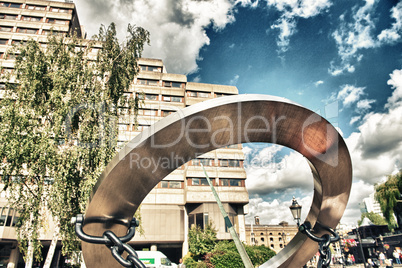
(185, 243)
(14, 256)
(154, 248)
(242, 225)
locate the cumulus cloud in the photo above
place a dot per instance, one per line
(320, 82)
(275, 211)
(267, 173)
(376, 149)
(359, 32)
(350, 95)
(177, 27)
(292, 10)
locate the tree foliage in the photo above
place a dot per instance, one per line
(388, 194)
(58, 126)
(207, 252)
(201, 241)
(373, 217)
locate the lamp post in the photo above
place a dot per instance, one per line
(295, 208)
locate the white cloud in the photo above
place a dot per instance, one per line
(350, 94)
(233, 81)
(276, 211)
(291, 10)
(320, 82)
(376, 150)
(364, 105)
(354, 119)
(396, 83)
(268, 174)
(177, 27)
(352, 37)
(393, 34)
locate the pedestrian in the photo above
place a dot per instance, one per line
(181, 264)
(396, 257)
(370, 263)
(382, 258)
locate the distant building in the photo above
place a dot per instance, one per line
(276, 237)
(369, 204)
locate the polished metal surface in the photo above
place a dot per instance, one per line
(203, 127)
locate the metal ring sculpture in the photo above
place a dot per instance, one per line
(209, 125)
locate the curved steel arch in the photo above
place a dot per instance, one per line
(209, 125)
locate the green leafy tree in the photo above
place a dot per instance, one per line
(373, 217)
(201, 241)
(58, 126)
(388, 195)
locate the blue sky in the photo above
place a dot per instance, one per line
(341, 58)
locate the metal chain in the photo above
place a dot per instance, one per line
(324, 242)
(116, 245)
(117, 248)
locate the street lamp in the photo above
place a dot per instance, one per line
(295, 208)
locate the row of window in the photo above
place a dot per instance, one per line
(202, 220)
(151, 82)
(35, 7)
(33, 19)
(151, 68)
(155, 97)
(218, 163)
(30, 30)
(201, 182)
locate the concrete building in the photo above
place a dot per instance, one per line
(369, 204)
(276, 237)
(183, 198)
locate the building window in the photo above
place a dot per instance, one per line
(262, 239)
(6, 28)
(230, 163)
(262, 234)
(8, 17)
(198, 219)
(7, 4)
(54, 33)
(232, 182)
(171, 184)
(60, 10)
(27, 30)
(173, 84)
(231, 218)
(218, 95)
(166, 113)
(147, 82)
(3, 41)
(204, 161)
(56, 21)
(271, 239)
(197, 94)
(34, 7)
(8, 217)
(151, 68)
(172, 98)
(29, 18)
(280, 245)
(272, 246)
(200, 181)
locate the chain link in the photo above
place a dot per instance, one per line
(116, 245)
(118, 248)
(323, 241)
